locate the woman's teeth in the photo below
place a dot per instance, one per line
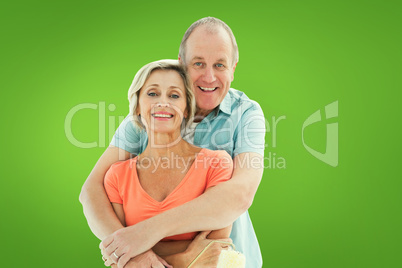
(163, 115)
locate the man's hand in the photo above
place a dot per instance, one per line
(129, 242)
(107, 259)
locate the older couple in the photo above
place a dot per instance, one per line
(158, 234)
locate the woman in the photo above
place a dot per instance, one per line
(170, 171)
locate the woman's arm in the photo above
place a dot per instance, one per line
(221, 233)
(209, 258)
(169, 248)
(118, 209)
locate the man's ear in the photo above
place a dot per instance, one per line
(234, 68)
(180, 61)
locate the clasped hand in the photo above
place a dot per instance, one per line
(125, 244)
(127, 248)
(144, 260)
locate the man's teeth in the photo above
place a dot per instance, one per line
(208, 88)
(163, 115)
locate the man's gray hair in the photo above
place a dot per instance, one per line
(211, 23)
(142, 76)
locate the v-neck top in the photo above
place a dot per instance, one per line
(123, 187)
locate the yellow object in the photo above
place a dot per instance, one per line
(231, 259)
(227, 259)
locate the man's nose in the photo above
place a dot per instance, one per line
(209, 75)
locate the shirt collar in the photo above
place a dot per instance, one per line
(226, 104)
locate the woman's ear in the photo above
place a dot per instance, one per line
(137, 111)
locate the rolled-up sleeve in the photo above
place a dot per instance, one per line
(250, 132)
(129, 137)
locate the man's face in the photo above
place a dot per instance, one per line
(209, 64)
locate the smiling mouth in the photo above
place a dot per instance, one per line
(207, 89)
(162, 115)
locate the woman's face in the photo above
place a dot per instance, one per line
(162, 102)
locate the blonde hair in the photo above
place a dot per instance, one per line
(141, 77)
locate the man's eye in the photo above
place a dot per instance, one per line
(174, 96)
(199, 64)
(152, 94)
(220, 65)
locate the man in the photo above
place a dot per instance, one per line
(226, 120)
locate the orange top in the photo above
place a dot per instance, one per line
(123, 187)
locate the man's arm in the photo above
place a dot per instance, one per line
(221, 205)
(97, 208)
(215, 209)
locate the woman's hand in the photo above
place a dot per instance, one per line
(211, 256)
(146, 260)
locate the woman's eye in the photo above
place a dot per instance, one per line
(152, 94)
(174, 96)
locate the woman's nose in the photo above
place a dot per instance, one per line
(162, 104)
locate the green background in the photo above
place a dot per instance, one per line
(295, 58)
